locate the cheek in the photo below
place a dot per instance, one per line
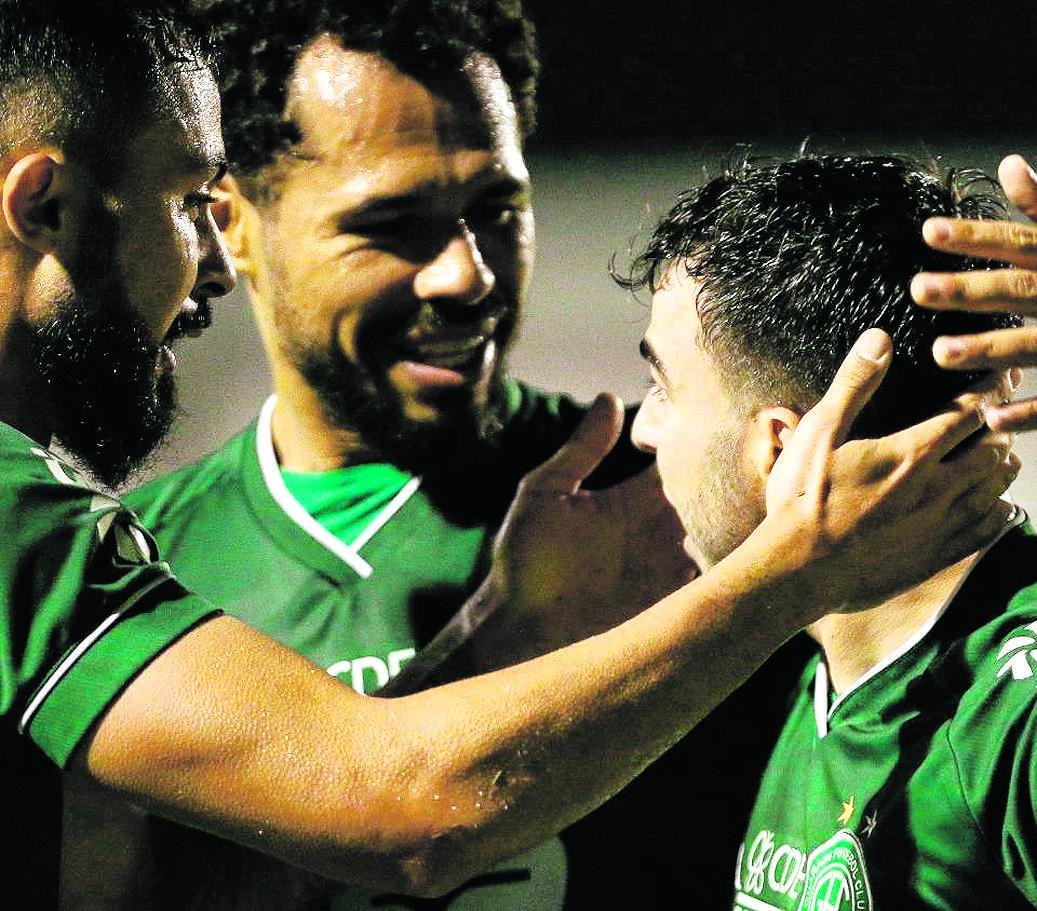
(160, 265)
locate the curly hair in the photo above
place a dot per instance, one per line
(796, 259)
(424, 38)
(76, 75)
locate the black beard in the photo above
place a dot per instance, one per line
(464, 440)
(97, 359)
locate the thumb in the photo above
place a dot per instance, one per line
(590, 442)
(1020, 184)
(859, 376)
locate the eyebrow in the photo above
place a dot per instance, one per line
(416, 196)
(648, 353)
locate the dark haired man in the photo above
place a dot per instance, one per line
(111, 670)
(903, 777)
(381, 212)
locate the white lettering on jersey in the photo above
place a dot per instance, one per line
(379, 671)
(834, 875)
(1020, 654)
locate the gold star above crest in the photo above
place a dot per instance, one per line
(848, 809)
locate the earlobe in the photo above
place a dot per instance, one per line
(237, 220)
(770, 432)
(33, 201)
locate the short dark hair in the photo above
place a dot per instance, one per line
(75, 74)
(427, 39)
(796, 259)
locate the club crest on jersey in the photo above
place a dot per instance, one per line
(1019, 654)
(836, 879)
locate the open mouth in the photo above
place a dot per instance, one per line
(192, 320)
(445, 363)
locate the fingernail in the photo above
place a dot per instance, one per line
(873, 346)
(948, 349)
(937, 230)
(1015, 378)
(924, 287)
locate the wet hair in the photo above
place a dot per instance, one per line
(796, 259)
(427, 39)
(84, 76)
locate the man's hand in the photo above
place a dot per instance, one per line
(575, 562)
(878, 516)
(1011, 290)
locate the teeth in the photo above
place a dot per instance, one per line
(449, 354)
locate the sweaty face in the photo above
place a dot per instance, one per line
(399, 248)
(148, 258)
(689, 421)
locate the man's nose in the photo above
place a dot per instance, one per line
(457, 272)
(642, 433)
(216, 273)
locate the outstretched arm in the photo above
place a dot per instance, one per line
(1011, 290)
(230, 732)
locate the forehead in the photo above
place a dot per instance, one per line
(366, 119)
(673, 330)
(183, 141)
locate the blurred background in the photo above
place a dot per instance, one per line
(636, 100)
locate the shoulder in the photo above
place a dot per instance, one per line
(214, 476)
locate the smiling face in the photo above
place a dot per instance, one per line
(144, 258)
(697, 432)
(398, 248)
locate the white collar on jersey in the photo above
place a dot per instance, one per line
(349, 553)
(823, 710)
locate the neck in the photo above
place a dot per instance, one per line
(304, 439)
(855, 643)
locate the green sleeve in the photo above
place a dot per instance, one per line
(85, 601)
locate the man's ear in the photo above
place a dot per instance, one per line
(239, 222)
(35, 199)
(769, 432)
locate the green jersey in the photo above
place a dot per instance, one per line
(85, 604)
(915, 787)
(238, 535)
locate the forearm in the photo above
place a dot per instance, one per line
(421, 792)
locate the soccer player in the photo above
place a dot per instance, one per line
(904, 775)
(381, 212)
(110, 669)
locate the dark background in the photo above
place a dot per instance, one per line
(621, 71)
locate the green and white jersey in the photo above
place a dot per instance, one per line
(237, 534)
(915, 787)
(85, 604)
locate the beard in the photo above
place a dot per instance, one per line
(99, 364)
(463, 439)
(359, 397)
(723, 509)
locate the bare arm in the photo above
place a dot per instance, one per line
(231, 732)
(1011, 290)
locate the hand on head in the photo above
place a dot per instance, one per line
(1009, 290)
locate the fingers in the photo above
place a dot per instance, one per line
(1020, 184)
(1009, 241)
(859, 375)
(995, 291)
(997, 350)
(1015, 417)
(939, 435)
(590, 442)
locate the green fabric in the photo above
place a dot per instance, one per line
(233, 542)
(920, 793)
(346, 500)
(84, 605)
